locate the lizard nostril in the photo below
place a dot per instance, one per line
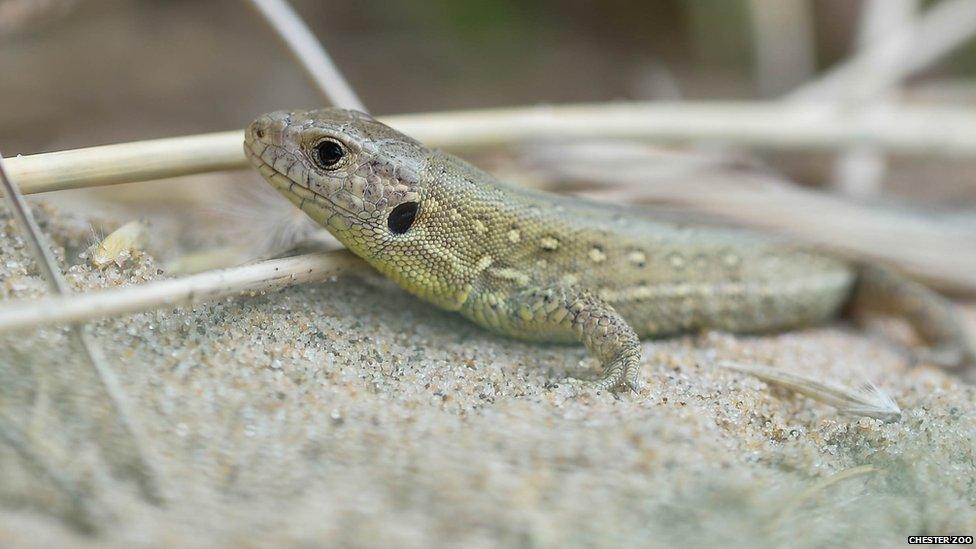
(259, 133)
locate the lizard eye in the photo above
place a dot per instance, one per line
(401, 218)
(328, 154)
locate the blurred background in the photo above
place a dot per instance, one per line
(85, 72)
(190, 67)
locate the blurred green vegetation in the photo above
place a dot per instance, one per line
(720, 31)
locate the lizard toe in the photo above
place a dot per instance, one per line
(632, 377)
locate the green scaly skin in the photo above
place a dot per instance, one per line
(541, 267)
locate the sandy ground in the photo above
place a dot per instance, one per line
(348, 413)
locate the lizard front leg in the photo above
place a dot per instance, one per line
(564, 313)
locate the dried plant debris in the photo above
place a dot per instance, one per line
(867, 400)
(124, 442)
(119, 246)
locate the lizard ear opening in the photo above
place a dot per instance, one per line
(402, 216)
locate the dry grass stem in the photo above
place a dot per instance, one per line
(306, 48)
(133, 451)
(940, 29)
(860, 171)
(45, 260)
(866, 400)
(128, 162)
(938, 132)
(266, 275)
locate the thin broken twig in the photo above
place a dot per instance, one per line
(145, 474)
(310, 53)
(265, 275)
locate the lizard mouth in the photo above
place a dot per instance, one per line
(302, 193)
(286, 185)
(279, 180)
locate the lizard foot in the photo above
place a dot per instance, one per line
(594, 322)
(581, 387)
(623, 372)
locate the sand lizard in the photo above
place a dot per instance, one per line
(543, 267)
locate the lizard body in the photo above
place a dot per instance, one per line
(542, 267)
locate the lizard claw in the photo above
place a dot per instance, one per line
(624, 372)
(611, 381)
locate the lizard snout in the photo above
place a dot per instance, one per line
(269, 129)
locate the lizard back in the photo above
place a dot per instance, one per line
(663, 277)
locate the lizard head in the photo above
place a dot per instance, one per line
(357, 177)
(371, 187)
